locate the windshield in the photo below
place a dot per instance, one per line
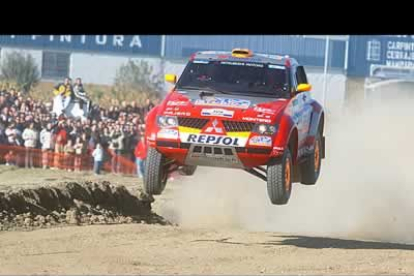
(236, 77)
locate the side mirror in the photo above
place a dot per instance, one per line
(303, 87)
(171, 78)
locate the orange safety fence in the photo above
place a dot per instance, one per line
(38, 158)
(119, 163)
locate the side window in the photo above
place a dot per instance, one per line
(301, 75)
(293, 79)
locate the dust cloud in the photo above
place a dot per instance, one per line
(365, 191)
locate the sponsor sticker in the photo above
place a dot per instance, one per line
(257, 120)
(263, 116)
(217, 112)
(232, 63)
(273, 66)
(208, 139)
(177, 103)
(265, 141)
(200, 61)
(183, 114)
(261, 65)
(264, 110)
(168, 133)
(235, 103)
(177, 113)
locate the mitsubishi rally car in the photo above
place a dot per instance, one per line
(240, 110)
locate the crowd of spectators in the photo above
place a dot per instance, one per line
(30, 123)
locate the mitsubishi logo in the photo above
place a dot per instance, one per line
(214, 127)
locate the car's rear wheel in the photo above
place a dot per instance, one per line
(156, 174)
(187, 170)
(311, 168)
(279, 179)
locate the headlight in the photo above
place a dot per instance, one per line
(265, 129)
(167, 121)
(171, 121)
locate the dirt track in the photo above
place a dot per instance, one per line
(211, 242)
(363, 203)
(151, 249)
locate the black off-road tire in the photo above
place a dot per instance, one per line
(187, 170)
(155, 177)
(311, 168)
(279, 179)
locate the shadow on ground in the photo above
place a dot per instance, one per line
(319, 243)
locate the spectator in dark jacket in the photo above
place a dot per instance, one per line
(3, 137)
(80, 93)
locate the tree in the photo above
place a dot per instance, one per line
(21, 70)
(137, 81)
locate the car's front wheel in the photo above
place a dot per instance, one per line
(279, 179)
(156, 174)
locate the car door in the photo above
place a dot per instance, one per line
(301, 107)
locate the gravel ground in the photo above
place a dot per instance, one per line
(57, 222)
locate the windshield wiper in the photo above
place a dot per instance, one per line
(214, 91)
(188, 88)
(259, 93)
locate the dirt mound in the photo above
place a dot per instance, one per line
(75, 204)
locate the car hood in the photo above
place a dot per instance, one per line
(229, 107)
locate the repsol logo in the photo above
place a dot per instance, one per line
(213, 140)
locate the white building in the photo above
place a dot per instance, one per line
(95, 58)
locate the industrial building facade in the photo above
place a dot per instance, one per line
(97, 57)
(93, 57)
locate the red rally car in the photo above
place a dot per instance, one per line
(238, 109)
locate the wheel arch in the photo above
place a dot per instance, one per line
(321, 124)
(317, 123)
(150, 126)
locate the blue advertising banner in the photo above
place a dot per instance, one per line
(116, 44)
(368, 51)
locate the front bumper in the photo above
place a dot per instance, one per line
(214, 156)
